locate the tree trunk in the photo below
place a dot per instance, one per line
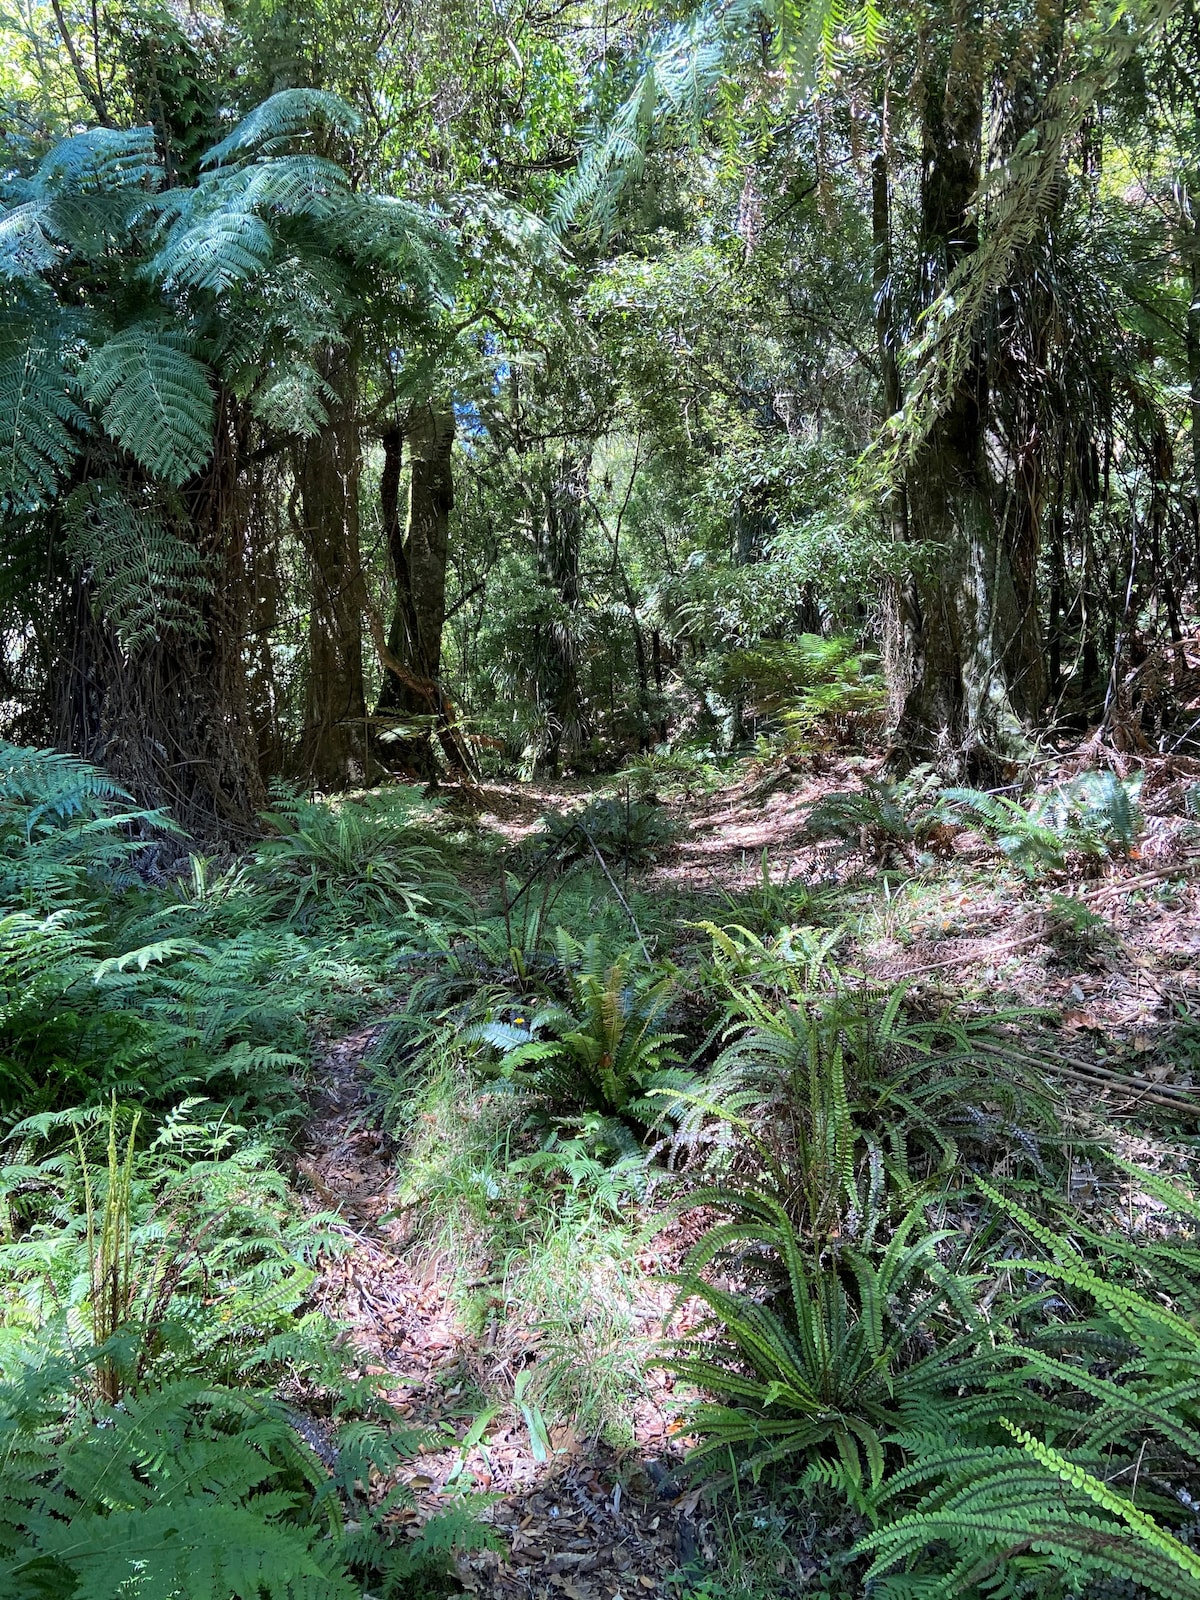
(560, 541)
(170, 718)
(411, 687)
(956, 699)
(1192, 242)
(329, 467)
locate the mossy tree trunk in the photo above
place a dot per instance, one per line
(968, 666)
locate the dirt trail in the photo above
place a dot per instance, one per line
(588, 1522)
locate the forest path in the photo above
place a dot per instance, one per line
(587, 1521)
(969, 932)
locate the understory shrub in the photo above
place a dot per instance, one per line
(621, 830)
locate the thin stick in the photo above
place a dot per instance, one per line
(1180, 869)
(1007, 948)
(625, 903)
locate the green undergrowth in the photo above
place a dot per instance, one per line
(915, 1363)
(161, 1373)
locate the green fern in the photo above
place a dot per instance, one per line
(1093, 816)
(1107, 1445)
(881, 819)
(810, 1362)
(281, 119)
(40, 418)
(154, 398)
(604, 1049)
(147, 581)
(186, 1490)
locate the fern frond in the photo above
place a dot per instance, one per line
(40, 418)
(282, 118)
(148, 583)
(154, 398)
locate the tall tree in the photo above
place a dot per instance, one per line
(419, 546)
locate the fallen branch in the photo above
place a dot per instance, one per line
(1179, 869)
(1098, 1077)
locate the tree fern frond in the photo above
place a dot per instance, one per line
(147, 581)
(26, 247)
(283, 117)
(101, 159)
(295, 399)
(39, 419)
(212, 250)
(154, 398)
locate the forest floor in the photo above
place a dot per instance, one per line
(1107, 1014)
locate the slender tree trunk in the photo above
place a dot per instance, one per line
(329, 468)
(420, 552)
(902, 630)
(559, 549)
(1192, 241)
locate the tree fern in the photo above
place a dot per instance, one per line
(26, 245)
(295, 400)
(83, 196)
(101, 160)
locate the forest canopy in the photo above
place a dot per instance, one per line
(418, 390)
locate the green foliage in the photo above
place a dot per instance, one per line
(620, 829)
(603, 1051)
(1096, 815)
(682, 769)
(882, 819)
(812, 685)
(154, 398)
(1077, 1467)
(186, 1489)
(147, 581)
(821, 1072)
(773, 903)
(151, 1253)
(63, 838)
(180, 1254)
(368, 857)
(191, 1488)
(38, 417)
(812, 1361)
